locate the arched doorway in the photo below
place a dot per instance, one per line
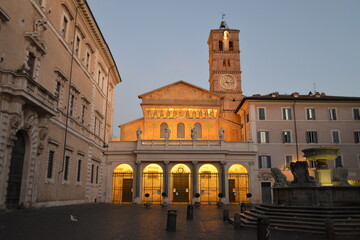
(180, 183)
(209, 184)
(15, 173)
(152, 183)
(238, 183)
(122, 184)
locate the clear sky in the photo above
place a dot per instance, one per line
(286, 45)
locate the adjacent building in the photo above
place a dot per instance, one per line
(57, 79)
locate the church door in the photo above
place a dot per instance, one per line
(15, 173)
(180, 187)
(232, 193)
(127, 193)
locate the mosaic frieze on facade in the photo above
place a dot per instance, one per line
(186, 113)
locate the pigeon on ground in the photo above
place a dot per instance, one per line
(73, 218)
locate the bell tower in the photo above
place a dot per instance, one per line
(224, 65)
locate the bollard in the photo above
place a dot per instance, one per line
(237, 222)
(190, 212)
(263, 229)
(329, 229)
(171, 220)
(226, 215)
(242, 207)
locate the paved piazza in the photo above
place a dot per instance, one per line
(106, 221)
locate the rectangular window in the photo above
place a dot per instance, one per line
(332, 114)
(358, 160)
(99, 77)
(78, 176)
(97, 175)
(247, 118)
(310, 114)
(356, 113)
(71, 107)
(335, 136)
(97, 126)
(77, 46)
(288, 160)
(66, 168)
(83, 111)
(338, 162)
(50, 164)
(57, 89)
(31, 64)
(357, 136)
(261, 113)
(286, 136)
(287, 115)
(263, 137)
(311, 137)
(88, 61)
(312, 164)
(264, 161)
(64, 27)
(92, 174)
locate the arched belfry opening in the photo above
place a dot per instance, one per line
(122, 184)
(16, 172)
(238, 183)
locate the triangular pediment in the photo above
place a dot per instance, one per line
(181, 93)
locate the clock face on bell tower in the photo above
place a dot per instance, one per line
(224, 65)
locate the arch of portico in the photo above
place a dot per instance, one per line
(238, 183)
(122, 184)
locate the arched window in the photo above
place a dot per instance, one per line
(220, 46)
(231, 46)
(198, 128)
(180, 130)
(163, 126)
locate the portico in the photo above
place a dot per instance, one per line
(174, 171)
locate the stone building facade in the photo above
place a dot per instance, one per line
(57, 79)
(283, 125)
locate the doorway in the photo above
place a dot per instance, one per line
(266, 192)
(15, 173)
(180, 180)
(238, 183)
(122, 184)
(208, 183)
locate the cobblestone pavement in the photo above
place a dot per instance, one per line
(107, 221)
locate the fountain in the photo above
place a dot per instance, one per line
(329, 188)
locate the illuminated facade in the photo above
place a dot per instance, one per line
(188, 140)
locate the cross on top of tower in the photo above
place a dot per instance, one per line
(223, 24)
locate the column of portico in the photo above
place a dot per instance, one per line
(195, 178)
(166, 181)
(137, 182)
(224, 176)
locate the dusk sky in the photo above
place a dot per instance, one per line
(286, 45)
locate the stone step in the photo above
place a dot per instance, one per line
(310, 211)
(303, 209)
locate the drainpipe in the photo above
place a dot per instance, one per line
(295, 131)
(70, 81)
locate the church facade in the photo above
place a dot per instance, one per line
(187, 147)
